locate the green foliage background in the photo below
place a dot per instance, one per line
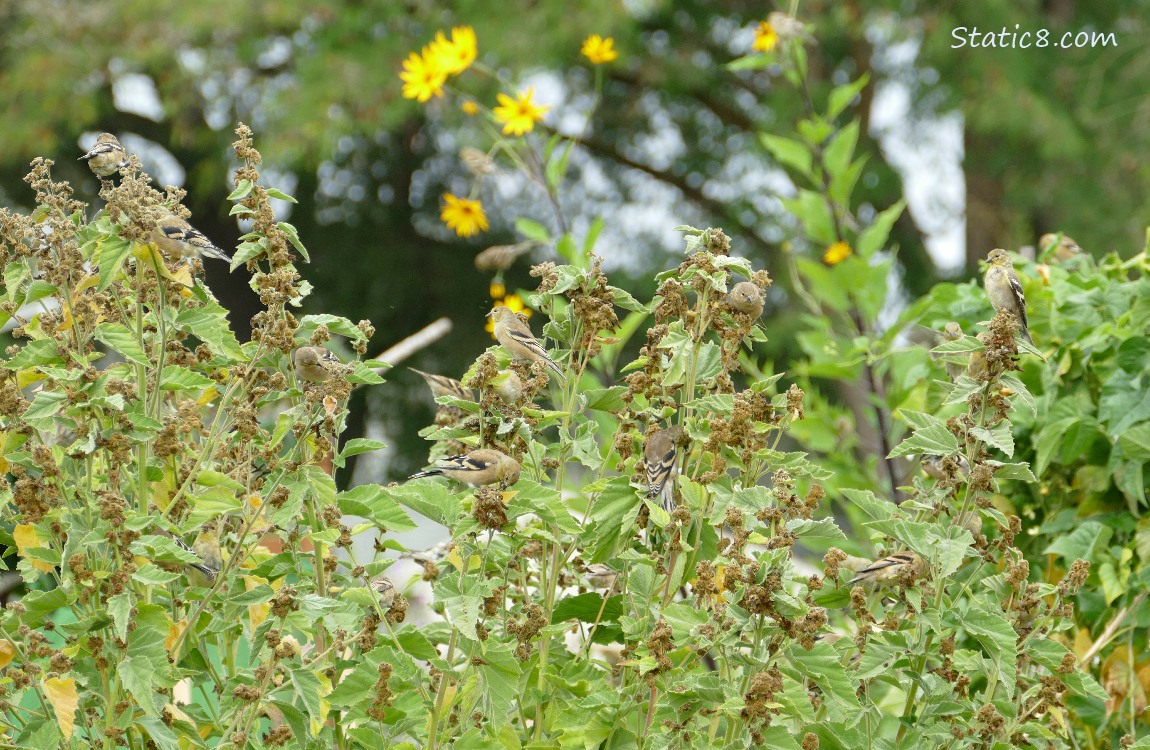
(1004, 641)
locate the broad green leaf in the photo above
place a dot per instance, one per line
(1081, 543)
(123, 340)
(374, 502)
(999, 436)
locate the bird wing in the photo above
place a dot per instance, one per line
(885, 564)
(462, 463)
(195, 238)
(529, 342)
(659, 470)
(1019, 297)
(208, 571)
(102, 148)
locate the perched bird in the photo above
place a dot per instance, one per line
(479, 467)
(477, 162)
(935, 466)
(600, 576)
(178, 238)
(508, 386)
(441, 385)
(514, 336)
(107, 156)
(746, 298)
(206, 548)
(891, 568)
(1005, 290)
(311, 363)
(660, 460)
(952, 332)
(385, 590)
(976, 367)
(1064, 248)
(500, 257)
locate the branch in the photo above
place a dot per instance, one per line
(421, 339)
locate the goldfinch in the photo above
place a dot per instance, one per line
(441, 385)
(385, 590)
(1064, 248)
(312, 362)
(480, 467)
(180, 239)
(514, 336)
(952, 332)
(935, 466)
(1005, 290)
(500, 257)
(660, 461)
(746, 298)
(508, 386)
(209, 557)
(107, 157)
(891, 568)
(976, 367)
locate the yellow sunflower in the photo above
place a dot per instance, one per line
(463, 215)
(837, 253)
(599, 50)
(456, 56)
(519, 115)
(765, 37)
(423, 76)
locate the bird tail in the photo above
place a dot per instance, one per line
(558, 370)
(214, 252)
(426, 473)
(208, 571)
(667, 495)
(1026, 337)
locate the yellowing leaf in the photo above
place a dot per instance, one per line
(27, 538)
(209, 395)
(174, 630)
(7, 652)
(61, 693)
(25, 378)
(1082, 642)
(257, 613)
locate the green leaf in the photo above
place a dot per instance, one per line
(873, 238)
(556, 168)
(293, 237)
(123, 340)
(120, 608)
(808, 530)
(750, 62)
(841, 96)
(109, 259)
(1135, 442)
(934, 439)
(430, 498)
(209, 323)
(137, 674)
(870, 504)
(34, 354)
(532, 230)
(1081, 543)
(242, 190)
(462, 606)
(821, 665)
(991, 629)
(587, 608)
(788, 152)
(307, 687)
(46, 404)
(280, 195)
(177, 378)
(374, 502)
(999, 436)
(333, 323)
(356, 446)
